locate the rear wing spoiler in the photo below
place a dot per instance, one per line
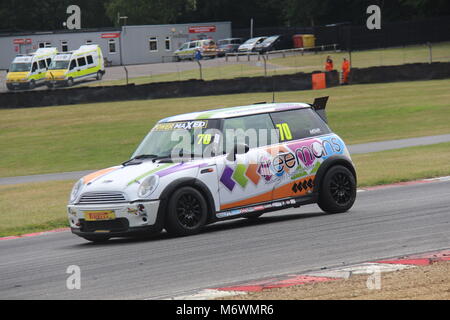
(319, 105)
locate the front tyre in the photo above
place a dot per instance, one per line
(187, 212)
(338, 190)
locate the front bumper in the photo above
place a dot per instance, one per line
(130, 219)
(20, 84)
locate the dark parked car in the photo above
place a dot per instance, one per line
(228, 45)
(274, 43)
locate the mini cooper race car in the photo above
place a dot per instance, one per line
(198, 168)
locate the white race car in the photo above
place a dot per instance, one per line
(202, 167)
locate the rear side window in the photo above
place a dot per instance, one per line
(299, 124)
(81, 61)
(255, 131)
(90, 60)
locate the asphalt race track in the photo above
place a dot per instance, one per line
(384, 222)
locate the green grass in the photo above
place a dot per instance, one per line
(26, 208)
(94, 136)
(42, 206)
(402, 164)
(301, 63)
(208, 73)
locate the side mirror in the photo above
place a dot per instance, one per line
(239, 148)
(7, 70)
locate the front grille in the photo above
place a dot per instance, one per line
(116, 225)
(102, 197)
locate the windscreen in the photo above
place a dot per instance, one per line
(179, 139)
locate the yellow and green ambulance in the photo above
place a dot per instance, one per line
(28, 70)
(70, 67)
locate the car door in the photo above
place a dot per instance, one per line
(245, 180)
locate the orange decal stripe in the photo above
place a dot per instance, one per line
(96, 174)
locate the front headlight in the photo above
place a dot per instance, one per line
(76, 190)
(148, 186)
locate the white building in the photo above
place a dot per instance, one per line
(126, 45)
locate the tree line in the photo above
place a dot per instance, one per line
(43, 15)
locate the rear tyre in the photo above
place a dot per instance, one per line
(337, 192)
(187, 212)
(97, 239)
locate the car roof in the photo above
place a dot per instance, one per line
(236, 111)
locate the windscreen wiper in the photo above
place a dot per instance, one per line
(139, 157)
(167, 156)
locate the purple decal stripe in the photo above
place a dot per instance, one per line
(179, 167)
(226, 178)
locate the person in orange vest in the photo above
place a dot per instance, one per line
(345, 71)
(329, 64)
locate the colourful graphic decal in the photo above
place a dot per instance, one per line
(239, 176)
(226, 178)
(292, 161)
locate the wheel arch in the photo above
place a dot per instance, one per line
(328, 164)
(188, 182)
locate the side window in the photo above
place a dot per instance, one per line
(255, 131)
(64, 46)
(73, 64)
(193, 44)
(153, 44)
(112, 45)
(49, 60)
(35, 67)
(81, 61)
(42, 64)
(90, 60)
(299, 124)
(167, 43)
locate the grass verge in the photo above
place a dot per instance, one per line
(91, 136)
(41, 206)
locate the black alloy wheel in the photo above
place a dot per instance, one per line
(187, 212)
(337, 191)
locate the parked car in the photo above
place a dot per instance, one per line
(274, 43)
(250, 44)
(207, 48)
(229, 45)
(229, 163)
